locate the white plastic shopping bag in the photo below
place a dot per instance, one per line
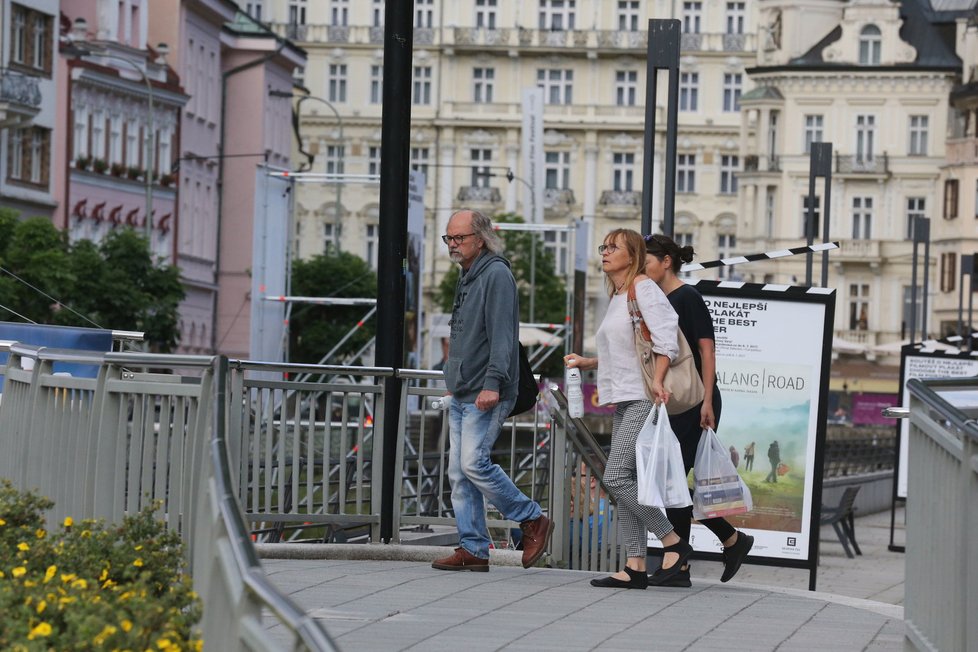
(719, 489)
(659, 464)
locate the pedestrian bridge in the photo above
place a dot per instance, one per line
(248, 455)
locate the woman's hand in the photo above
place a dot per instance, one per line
(572, 360)
(659, 393)
(707, 418)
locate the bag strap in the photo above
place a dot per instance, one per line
(636, 313)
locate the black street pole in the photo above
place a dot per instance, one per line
(663, 54)
(819, 165)
(395, 133)
(923, 316)
(967, 265)
(917, 229)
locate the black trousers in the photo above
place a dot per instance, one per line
(688, 432)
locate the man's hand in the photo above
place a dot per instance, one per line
(487, 399)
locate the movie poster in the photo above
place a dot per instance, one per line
(917, 364)
(773, 349)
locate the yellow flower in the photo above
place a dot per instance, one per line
(79, 584)
(85, 534)
(40, 534)
(126, 625)
(198, 645)
(67, 600)
(67, 577)
(138, 563)
(49, 574)
(29, 583)
(2, 574)
(2, 522)
(164, 644)
(108, 584)
(23, 547)
(126, 595)
(106, 632)
(137, 549)
(41, 606)
(68, 521)
(105, 574)
(18, 572)
(42, 629)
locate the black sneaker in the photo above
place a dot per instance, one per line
(680, 580)
(734, 556)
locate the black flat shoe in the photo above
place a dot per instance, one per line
(735, 555)
(684, 550)
(680, 580)
(638, 580)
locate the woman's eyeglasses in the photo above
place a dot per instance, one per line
(457, 239)
(607, 248)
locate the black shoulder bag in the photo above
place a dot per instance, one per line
(526, 393)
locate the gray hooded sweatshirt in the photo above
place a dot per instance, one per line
(483, 353)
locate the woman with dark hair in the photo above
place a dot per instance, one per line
(620, 383)
(662, 263)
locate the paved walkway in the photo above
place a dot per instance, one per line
(405, 605)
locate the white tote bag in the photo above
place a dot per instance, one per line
(719, 489)
(659, 464)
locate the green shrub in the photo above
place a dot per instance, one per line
(89, 585)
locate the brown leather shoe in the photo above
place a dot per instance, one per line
(462, 560)
(536, 534)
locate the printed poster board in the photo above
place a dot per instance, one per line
(773, 352)
(915, 363)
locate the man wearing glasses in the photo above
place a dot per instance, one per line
(482, 373)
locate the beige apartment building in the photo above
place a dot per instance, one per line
(759, 81)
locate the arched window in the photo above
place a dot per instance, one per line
(870, 45)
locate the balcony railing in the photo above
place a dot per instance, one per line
(18, 88)
(756, 163)
(481, 36)
(621, 198)
(866, 251)
(858, 164)
(962, 151)
(558, 197)
(479, 194)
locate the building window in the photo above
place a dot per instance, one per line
(769, 196)
(254, 9)
(732, 83)
(813, 131)
(422, 85)
(132, 144)
(862, 218)
(816, 216)
(31, 39)
(692, 17)
(870, 45)
(480, 173)
(115, 139)
(334, 159)
(79, 135)
(689, 91)
(556, 170)
(482, 83)
(370, 242)
(419, 161)
(339, 12)
(735, 17)
(729, 166)
(915, 208)
(557, 15)
(424, 13)
(627, 15)
(330, 241)
(909, 314)
(950, 199)
(376, 84)
(858, 306)
(918, 135)
(865, 138)
(726, 242)
(684, 238)
(485, 14)
(557, 85)
(556, 243)
(297, 12)
(622, 171)
(98, 135)
(373, 161)
(299, 76)
(686, 173)
(377, 13)
(337, 82)
(626, 87)
(949, 269)
(29, 156)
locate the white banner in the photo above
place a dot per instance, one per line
(533, 154)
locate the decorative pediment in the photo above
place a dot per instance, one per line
(624, 141)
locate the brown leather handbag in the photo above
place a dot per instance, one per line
(682, 381)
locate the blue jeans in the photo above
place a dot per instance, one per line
(475, 478)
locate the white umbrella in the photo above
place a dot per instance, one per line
(531, 336)
(840, 345)
(894, 348)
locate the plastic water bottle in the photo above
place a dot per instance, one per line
(442, 403)
(575, 397)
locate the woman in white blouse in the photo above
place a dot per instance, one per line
(620, 383)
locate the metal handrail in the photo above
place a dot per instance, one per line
(925, 391)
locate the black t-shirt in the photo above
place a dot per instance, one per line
(694, 318)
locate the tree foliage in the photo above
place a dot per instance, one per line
(115, 285)
(315, 329)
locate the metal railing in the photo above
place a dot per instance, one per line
(942, 515)
(107, 446)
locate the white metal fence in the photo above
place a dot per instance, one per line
(941, 603)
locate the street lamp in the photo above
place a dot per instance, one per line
(79, 35)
